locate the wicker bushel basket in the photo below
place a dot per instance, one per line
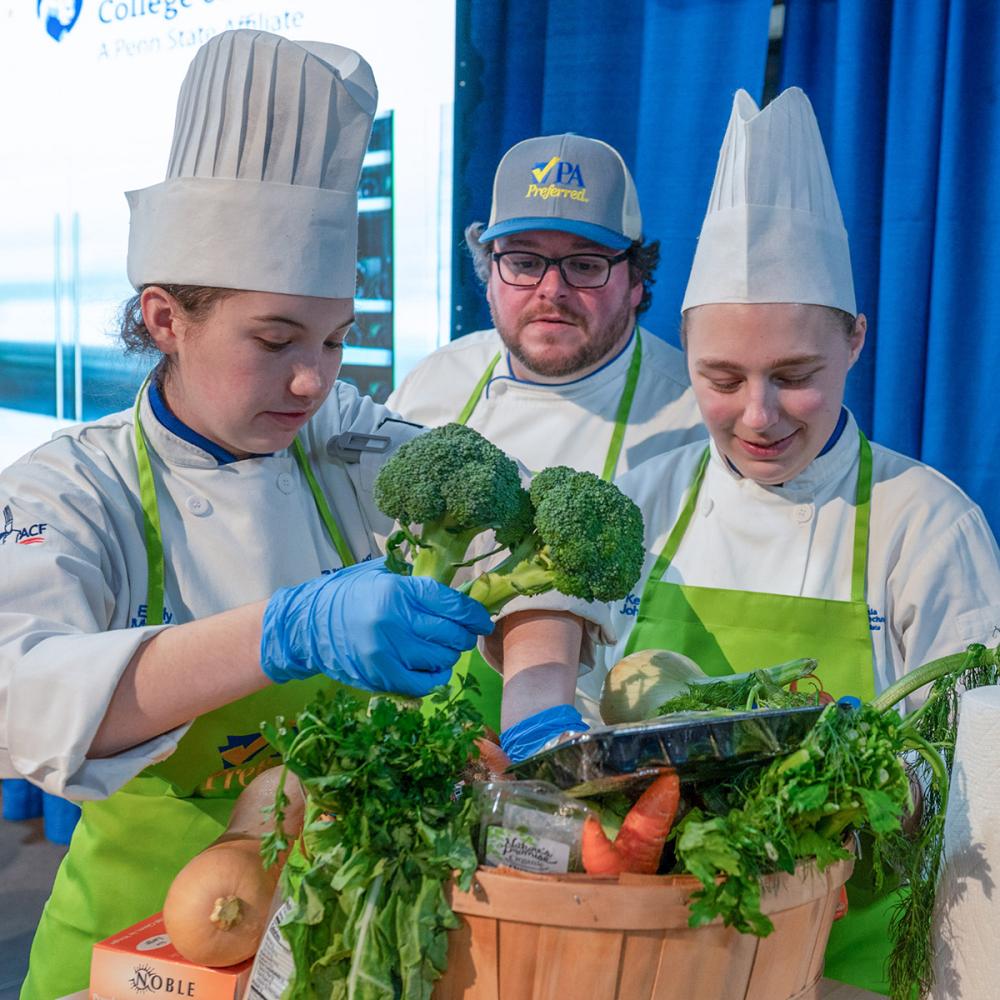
(531, 937)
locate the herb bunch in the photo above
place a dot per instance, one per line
(914, 858)
(384, 832)
(845, 773)
(848, 774)
(743, 692)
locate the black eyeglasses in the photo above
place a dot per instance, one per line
(579, 270)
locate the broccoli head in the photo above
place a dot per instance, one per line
(453, 484)
(587, 542)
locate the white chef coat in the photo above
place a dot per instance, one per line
(541, 424)
(73, 566)
(933, 583)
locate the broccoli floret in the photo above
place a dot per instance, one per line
(453, 484)
(587, 542)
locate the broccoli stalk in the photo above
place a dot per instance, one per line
(586, 541)
(572, 531)
(454, 485)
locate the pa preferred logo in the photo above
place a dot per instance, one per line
(59, 16)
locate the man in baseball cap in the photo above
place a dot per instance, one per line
(566, 377)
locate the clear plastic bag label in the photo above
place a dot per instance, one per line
(274, 965)
(516, 848)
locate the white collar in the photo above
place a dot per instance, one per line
(820, 473)
(610, 372)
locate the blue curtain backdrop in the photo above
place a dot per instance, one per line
(654, 78)
(907, 98)
(906, 94)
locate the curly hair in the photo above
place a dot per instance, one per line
(195, 300)
(643, 259)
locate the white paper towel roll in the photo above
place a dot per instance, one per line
(967, 912)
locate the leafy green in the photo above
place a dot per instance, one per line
(845, 773)
(914, 858)
(742, 692)
(369, 916)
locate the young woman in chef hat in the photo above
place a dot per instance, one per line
(192, 555)
(790, 535)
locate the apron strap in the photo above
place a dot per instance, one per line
(155, 571)
(677, 532)
(473, 400)
(333, 530)
(150, 522)
(862, 518)
(624, 408)
(621, 415)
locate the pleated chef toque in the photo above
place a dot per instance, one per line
(261, 187)
(773, 231)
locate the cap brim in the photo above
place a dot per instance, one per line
(588, 230)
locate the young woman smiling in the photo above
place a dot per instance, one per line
(790, 535)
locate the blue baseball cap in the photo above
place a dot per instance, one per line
(567, 183)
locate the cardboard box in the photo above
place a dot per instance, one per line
(141, 962)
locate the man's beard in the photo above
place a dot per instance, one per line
(590, 352)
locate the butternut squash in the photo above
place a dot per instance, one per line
(217, 906)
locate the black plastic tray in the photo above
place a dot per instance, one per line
(697, 745)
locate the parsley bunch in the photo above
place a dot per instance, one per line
(384, 832)
(846, 773)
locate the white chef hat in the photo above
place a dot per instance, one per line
(773, 231)
(261, 187)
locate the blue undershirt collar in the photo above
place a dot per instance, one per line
(558, 385)
(176, 426)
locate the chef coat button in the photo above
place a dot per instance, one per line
(198, 506)
(803, 513)
(286, 483)
(706, 506)
(499, 389)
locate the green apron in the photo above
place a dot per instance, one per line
(730, 631)
(472, 663)
(126, 849)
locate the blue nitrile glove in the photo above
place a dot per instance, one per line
(529, 735)
(370, 628)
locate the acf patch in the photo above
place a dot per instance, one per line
(33, 534)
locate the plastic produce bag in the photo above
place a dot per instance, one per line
(529, 825)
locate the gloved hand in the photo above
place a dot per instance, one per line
(370, 628)
(529, 735)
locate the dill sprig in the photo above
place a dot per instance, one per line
(743, 692)
(915, 858)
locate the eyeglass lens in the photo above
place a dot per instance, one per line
(581, 270)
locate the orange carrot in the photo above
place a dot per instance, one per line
(639, 843)
(492, 757)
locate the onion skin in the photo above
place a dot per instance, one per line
(217, 907)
